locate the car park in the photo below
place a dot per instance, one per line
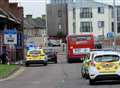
(51, 54)
(104, 65)
(36, 56)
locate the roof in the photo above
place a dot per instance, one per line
(8, 15)
(37, 23)
(3, 14)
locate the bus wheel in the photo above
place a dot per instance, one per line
(69, 61)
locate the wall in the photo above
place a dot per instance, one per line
(53, 20)
(106, 17)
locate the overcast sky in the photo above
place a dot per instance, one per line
(38, 7)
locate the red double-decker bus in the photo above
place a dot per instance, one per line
(78, 46)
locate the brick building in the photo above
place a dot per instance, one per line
(11, 17)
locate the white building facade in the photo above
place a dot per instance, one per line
(90, 17)
(61, 1)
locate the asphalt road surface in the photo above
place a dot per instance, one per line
(61, 75)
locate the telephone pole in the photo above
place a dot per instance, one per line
(115, 23)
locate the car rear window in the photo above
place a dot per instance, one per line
(106, 58)
(48, 50)
(35, 52)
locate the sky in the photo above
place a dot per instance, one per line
(38, 7)
(34, 7)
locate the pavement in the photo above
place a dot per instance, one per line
(61, 75)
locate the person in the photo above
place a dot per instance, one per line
(63, 47)
(4, 58)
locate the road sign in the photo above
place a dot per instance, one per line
(10, 36)
(110, 35)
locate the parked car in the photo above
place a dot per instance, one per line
(51, 54)
(53, 43)
(104, 65)
(36, 56)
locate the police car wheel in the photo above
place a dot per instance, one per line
(45, 64)
(26, 64)
(91, 82)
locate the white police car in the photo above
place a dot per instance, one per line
(104, 65)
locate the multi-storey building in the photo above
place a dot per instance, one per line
(90, 17)
(81, 16)
(61, 1)
(57, 19)
(34, 31)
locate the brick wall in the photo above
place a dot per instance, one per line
(13, 8)
(110, 42)
(4, 4)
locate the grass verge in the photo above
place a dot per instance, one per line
(6, 70)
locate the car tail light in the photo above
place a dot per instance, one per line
(92, 64)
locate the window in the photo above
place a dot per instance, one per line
(100, 10)
(74, 27)
(118, 28)
(59, 27)
(59, 13)
(100, 24)
(112, 26)
(80, 38)
(74, 13)
(86, 27)
(86, 13)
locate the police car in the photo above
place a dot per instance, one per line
(104, 65)
(36, 56)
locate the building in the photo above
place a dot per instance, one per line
(57, 19)
(90, 17)
(35, 31)
(61, 1)
(81, 16)
(11, 17)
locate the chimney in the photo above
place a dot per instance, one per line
(20, 12)
(13, 8)
(29, 17)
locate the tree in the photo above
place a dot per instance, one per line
(60, 34)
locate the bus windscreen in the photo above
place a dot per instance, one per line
(80, 38)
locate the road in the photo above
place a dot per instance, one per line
(61, 75)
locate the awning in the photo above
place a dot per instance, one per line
(8, 16)
(3, 14)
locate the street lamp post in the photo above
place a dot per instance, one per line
(115, 23)
(46, 41)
